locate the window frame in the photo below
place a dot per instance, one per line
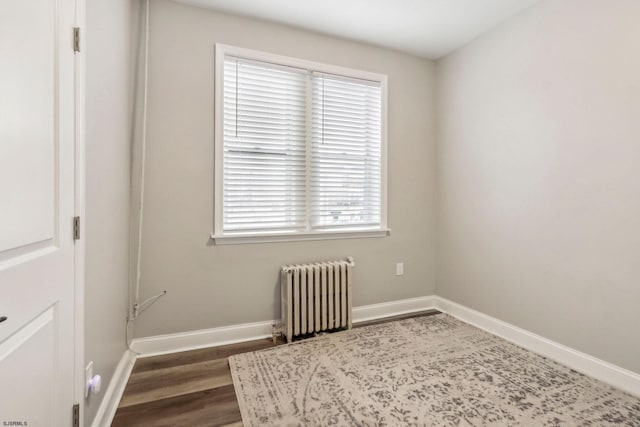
(218, 237)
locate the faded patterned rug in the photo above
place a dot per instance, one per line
(423, 371)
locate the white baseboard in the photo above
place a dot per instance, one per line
(113, 394)
(604, 371)
(366, 313)
(185, 341)
(172, 343)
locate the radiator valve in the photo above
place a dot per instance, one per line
(275, 333)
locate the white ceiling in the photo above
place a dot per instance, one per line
(428, 28)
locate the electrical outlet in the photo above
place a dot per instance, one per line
(88, 374)
(400, 269)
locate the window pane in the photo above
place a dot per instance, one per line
(346, 153)
(264, 147)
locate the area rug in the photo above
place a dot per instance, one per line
(424, 371)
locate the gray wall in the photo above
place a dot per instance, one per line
(107, 186)
(539, 177)
(212, 286)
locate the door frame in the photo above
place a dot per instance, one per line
(79, 209)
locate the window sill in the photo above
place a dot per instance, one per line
(237, 239)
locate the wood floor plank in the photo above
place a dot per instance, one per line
(194, 356)
(210, 408)
(395, 318)
(177, 380)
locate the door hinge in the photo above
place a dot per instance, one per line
(76, 228)
(76, 39)
(76, 415)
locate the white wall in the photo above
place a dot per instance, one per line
(539, 176)
(106, 231)
(212, 285)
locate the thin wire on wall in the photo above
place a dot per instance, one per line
(143, 155)
(138, 308)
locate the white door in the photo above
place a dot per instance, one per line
(37, 185)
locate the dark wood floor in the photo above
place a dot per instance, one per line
(191, 388)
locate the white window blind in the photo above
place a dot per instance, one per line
(346, 153)
(264, 147)
(301, 150)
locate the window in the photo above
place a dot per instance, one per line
(300, 149)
